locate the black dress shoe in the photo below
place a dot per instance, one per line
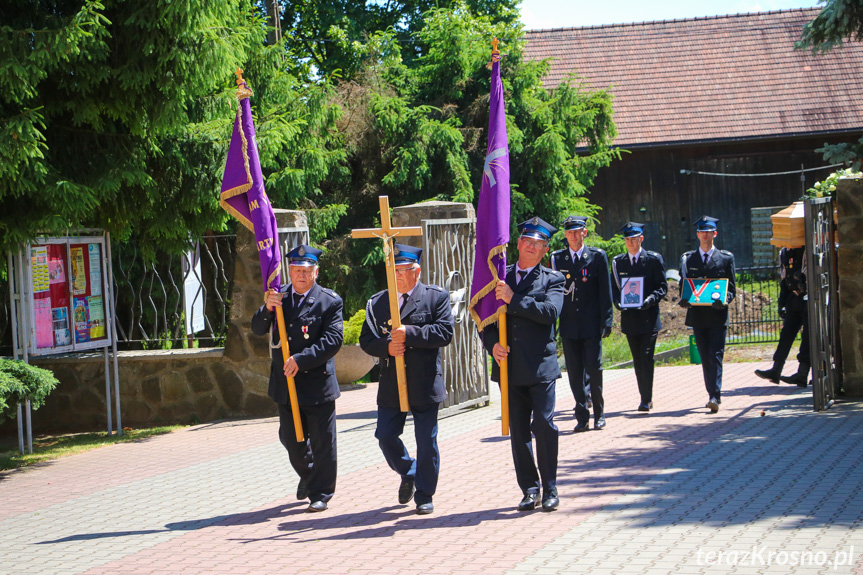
(645, 406)
(581, 427)
(529, 502)
(550, 501)
(599, 424)
(316, 507)
(303, 488)
(425, 508)
(713, 405)
(406, 490)
(771, 375)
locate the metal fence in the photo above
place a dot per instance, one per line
(754, 316)
(175, 300)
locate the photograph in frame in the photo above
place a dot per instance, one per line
(632, 292)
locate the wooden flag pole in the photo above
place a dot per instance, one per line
(292, 386)
(386, 232)
(504, 376)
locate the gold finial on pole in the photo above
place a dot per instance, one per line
(494, 50)
(243, 90)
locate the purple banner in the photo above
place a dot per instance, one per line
(492, 219)
(243, 194)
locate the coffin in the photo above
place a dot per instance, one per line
(788, 227)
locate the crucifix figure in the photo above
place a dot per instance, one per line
(386, 232)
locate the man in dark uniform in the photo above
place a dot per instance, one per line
(641, 324)
(709, 323)
(427, 326)
(794, 311)
(534, 297)
(632, 296)
(313, 320)
(585, 318)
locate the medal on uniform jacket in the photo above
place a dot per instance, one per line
(306, 331)
(584, 275)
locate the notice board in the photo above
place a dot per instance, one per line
(67, 295)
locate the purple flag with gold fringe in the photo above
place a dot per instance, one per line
(243, 194)
(493, 212)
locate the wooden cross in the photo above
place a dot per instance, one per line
(386, 232)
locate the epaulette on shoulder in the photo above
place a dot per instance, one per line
(654, 254)
(435, 287)
(689, 253)
(620, 256)
(726, 252)
(596, 250)
(551, 270)
(554, 253)
(329, 292)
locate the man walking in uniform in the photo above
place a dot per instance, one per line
(534, 297)
(585, 318)
(641, 324)
(793, 309)
(427, 326)
(313, 318)
(709, 323)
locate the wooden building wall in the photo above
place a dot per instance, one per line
(647, 185)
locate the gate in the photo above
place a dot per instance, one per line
(448, 251)
(822, 280)
(753, 315)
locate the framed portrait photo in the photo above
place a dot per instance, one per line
(632, 292)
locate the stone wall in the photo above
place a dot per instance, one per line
(849, 202)
(174, 386)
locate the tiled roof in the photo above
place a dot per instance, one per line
(715, 78)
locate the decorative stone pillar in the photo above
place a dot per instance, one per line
(246, 364)
(448, 242)
(849, 202)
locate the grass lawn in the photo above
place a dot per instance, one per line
(48, 447)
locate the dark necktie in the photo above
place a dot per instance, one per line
(705, 259)
(297, 299)
(634, 260)
(521, 274)
(404, 301)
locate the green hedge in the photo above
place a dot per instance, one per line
(18, 382)
(353, 327)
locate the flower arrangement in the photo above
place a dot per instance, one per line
(827, 188)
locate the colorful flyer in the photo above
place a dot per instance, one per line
(81, 315)
(93, 253)
(55, 271)
(39, 263)
(97, 317)
(44, 328)
(60, 320)
(77, 271)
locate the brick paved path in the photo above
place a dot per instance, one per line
(676, 491)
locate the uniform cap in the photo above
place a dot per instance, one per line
(405, 254)
(632, 229)
(575, 223)
(706, 224)
(536, 228)
(303, 255)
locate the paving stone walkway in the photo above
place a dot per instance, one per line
(678, 490)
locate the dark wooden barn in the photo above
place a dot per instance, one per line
(721, 95)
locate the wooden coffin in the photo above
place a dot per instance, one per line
(788, 227)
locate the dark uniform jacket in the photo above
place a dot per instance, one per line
(429, 325)
(586, 294)
(319, 317)
(531, 320)
(651, 267)
(792, 286)
(720, 265)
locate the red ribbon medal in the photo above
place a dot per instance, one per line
(697, 292)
